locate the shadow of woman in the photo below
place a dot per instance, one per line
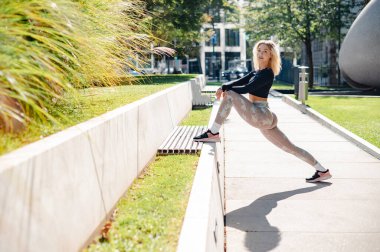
(260, 234)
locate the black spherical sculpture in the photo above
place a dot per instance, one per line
(359, 56)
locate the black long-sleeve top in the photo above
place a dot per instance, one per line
(257, 83)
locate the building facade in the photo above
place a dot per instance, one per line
(227, 43)
(326, 69)
(326, 52)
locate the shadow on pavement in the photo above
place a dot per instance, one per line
(260, 235)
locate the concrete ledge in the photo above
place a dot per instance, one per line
(203, 225)
(197, 85)
(275, 93)
(56, 192)
(360, 142)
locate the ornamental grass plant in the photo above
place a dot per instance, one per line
(51, 48)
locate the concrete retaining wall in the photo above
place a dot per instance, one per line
(55, 193)
(203, 225)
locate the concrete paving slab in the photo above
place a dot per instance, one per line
(294, 137)
(300, 242)
(281, 156)
(210, 89)
(241, 134)
(299, 169)
(310, 146)
(256, 188)
(321, 215)
(266, 194)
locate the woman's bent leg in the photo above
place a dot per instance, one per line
(259, 117)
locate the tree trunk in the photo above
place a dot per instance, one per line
(333, 64)
(309, 55)
(168, 64)
(309, 52)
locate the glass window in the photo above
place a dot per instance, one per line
(215, 14)
(213, 61)
(232, 37)
(215, 38)
(230, 56)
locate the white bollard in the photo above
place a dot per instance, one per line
(303, 85)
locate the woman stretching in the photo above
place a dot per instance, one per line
(255, 111)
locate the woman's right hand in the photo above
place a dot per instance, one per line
(218, 93)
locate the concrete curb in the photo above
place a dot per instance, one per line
(360, 142)
(275, 93)
(203, 225)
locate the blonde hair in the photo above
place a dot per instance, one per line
(275, 60)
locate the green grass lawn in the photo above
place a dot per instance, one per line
(359, 115)
(90, 103)
(280, 85)
(149, 217)
(214, 83)
(198, 117)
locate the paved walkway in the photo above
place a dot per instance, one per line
(269, 207)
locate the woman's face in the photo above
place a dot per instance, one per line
(263, 54)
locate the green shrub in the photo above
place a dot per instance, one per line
(158, 78)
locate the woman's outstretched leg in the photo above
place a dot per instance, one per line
(278, 138)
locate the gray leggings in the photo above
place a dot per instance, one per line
(259, 116)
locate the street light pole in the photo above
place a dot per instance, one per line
(339, 38)
(213, 57)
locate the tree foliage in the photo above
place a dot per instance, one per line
(299, 22)
(177, 23)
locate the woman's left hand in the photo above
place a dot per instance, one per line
(218, 93)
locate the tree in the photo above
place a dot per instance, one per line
(345, 13)
(178, 22)
(292, 22)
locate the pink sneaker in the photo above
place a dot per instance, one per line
(207, 136)
(319, 176)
